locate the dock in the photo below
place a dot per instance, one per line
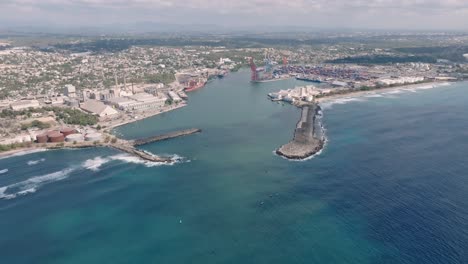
(305, 142)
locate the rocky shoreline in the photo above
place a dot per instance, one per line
(307, 140)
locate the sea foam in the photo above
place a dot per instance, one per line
(95, 164)
(35, 162)
(32, 184)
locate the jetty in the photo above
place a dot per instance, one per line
(128, 146)
(170, 135)
(307, 141)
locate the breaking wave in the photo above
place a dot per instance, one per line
(95, 164)
(35, 162)
(136, 160)
(339, 101)
(31, 185)
(387, 93)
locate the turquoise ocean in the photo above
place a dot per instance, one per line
(391, 186)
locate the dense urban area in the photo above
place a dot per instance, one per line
(74, 89)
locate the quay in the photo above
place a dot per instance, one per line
(306, 141)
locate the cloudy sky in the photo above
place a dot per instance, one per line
(373, 14)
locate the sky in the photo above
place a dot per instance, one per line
(321, 14)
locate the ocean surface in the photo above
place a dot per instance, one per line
(391, 186)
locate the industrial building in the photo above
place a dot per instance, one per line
(140, 101)
(175, 97)
(98, 108)
(24, 104)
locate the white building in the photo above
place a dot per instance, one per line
(69, 90)
(401, 80)
(98, 108)
(24, 104)
(175, 97)
(224, 60)
(140, 101)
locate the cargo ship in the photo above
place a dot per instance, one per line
(308, 79)
(195, 85)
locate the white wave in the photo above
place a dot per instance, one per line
(328, 104)
(24, 152)
(393, 92)
(374, 95)
(444, 84)
(410, 90)
(95, 164)
(32, 184)
(3, 171)
(136, 160)
(35, 162)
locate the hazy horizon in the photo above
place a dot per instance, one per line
(242, 14)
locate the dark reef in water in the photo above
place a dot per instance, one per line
(308, 138)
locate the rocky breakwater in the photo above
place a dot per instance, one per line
(308, 135)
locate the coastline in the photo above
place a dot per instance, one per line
(409, 87)
(21, 152)
(143, 116)
(128, 146)
(305, 143)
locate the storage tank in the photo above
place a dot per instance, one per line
(56, 137)
(67, 131)
(93, 137)
(42, 138)
(74, 138)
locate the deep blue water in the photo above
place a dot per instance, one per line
(390, 187)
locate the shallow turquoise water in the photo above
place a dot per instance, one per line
(390, 187)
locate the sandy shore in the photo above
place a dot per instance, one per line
(382, 90)
(21, 151)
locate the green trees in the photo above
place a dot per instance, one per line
(165, 78)
(35, 123)
(73, 116)
(67, 115)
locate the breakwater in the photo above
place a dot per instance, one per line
(128, 146)
(308, 136)
(175, 134)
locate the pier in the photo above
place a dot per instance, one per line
(305, 142)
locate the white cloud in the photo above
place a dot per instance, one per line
(329, 13)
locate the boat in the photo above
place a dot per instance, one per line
(195, 85)
(182, 95)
